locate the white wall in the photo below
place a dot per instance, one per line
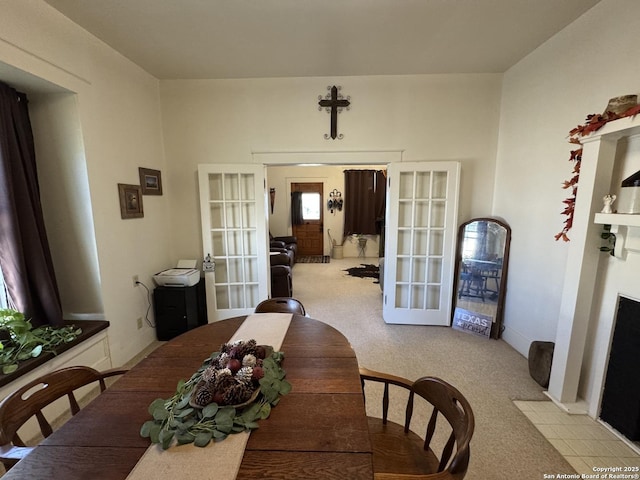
(545, 95)
(428, 117)
(66, 201)
(119, 118)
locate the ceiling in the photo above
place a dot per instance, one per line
(179, 39)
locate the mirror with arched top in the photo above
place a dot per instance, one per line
(480, 276)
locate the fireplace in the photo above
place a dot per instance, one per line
(620, 406)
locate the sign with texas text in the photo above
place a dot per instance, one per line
(472, 322)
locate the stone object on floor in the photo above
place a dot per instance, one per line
(540, 358)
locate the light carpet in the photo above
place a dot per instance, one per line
(490, 373)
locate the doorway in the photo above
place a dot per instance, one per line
(310, 232)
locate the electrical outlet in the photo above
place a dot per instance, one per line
(135, 280)
(139, 321)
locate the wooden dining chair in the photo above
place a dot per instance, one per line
(281, 305)
(29, 400)
(399, 453)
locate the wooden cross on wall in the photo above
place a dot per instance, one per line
(334, 102)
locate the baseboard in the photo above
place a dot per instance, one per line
(518, 341)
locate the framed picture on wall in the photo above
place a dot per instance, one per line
(150, 181)
(130, 201)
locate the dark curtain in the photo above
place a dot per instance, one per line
(24, 250)
(296, 208)
(364, 201)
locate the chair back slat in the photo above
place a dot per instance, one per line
(385, 403)
(45, 426)
(408, 415)
(446, 452)
(431, 428)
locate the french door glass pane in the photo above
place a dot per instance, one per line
(434, 271)
(247, 187)
(420, 242)
(440, 180)
(423, 184)
(419, 269)
(215, 186)
(231, 187)
(436, 242)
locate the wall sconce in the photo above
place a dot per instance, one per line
(335, 201)
(272, 197)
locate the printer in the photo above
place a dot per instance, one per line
(184, 275)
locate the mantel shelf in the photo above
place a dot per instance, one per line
(625, 228)
(624, 219)
(622, 127)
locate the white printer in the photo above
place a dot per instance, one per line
(184, 275)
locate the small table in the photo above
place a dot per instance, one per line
(318, 431)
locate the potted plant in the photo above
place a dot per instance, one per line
(19, 341)
(361, 240)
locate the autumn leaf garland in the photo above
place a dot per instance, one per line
(593, 123)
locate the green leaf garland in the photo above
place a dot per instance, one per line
(19, 341)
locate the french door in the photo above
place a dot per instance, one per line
(233, 209)
(422, 211)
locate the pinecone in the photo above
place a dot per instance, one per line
(239, 393)
(221, 360)
(223, 381)
(249, 360)
(204, 396)
(244, 348)
(209, 374)
(244, 374)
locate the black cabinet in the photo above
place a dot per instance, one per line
(178, 309)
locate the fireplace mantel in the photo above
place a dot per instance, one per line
(577, 304)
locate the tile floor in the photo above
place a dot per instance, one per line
(585, 443)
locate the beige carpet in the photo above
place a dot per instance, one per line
(489, 373)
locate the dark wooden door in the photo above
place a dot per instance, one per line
(310, 234)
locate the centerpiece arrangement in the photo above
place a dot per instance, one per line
(233, 389)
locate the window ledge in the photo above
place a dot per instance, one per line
(89, 329)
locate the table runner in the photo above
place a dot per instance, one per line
(218, 460)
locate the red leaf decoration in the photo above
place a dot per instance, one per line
(593, 123)
(632, 112)
(576, 155)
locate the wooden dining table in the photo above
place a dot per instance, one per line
(317, 431)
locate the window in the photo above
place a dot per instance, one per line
(4, 295)
(311, 206)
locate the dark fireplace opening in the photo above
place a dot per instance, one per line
(621, 397)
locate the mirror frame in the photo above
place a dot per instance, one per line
(496, 327)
